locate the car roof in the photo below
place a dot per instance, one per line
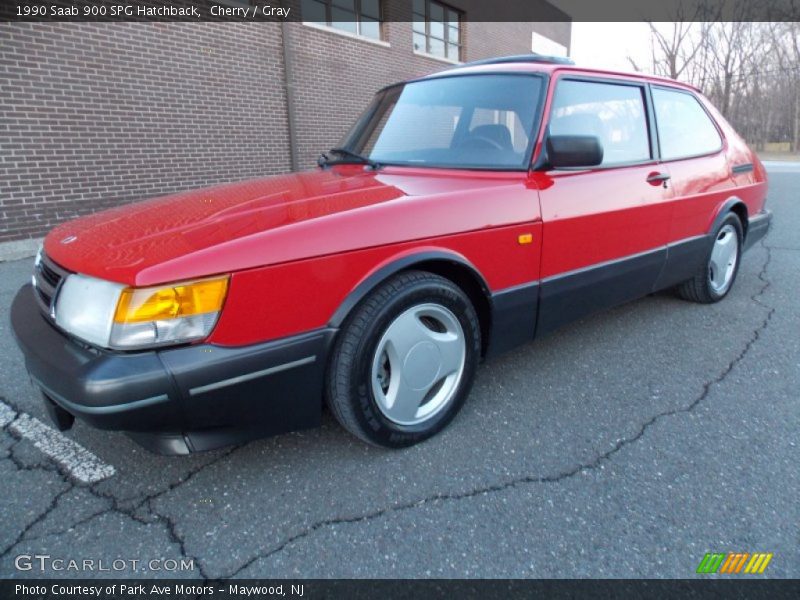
(550, 66)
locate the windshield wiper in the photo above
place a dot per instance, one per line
(324, 160)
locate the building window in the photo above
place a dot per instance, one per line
(437, 30)
(359, 17)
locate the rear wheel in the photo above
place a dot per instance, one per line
(715, 277)
(404, 361)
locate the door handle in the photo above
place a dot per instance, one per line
(658, 178)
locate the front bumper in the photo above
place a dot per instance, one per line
(178, 400)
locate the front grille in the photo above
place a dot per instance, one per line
(51, 276)
(47, 278)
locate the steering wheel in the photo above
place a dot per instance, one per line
(482, 140)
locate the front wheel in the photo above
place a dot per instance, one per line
(715, 277)
(404, 361)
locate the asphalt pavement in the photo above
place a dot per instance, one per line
(628, 444)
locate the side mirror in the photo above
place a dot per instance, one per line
(574, 151)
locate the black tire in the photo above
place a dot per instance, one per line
(699, 288)
(349, 387)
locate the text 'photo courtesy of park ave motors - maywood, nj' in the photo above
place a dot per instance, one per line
(181, 590)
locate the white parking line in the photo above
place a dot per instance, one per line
(76, 460)
(7, 414)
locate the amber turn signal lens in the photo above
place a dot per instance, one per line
(525, 238)
(137, 305)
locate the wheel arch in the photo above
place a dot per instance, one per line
(732, 205)
(445, 263)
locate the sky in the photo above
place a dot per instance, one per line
(607, 45)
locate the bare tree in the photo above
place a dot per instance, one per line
(674, 49)
(786, 52)
(750, 70)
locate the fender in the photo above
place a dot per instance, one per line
(731, 204)
(395, 265)
(685, 256)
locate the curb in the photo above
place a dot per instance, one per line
(19, 249)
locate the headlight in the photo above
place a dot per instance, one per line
(111, 315)
(85, 307)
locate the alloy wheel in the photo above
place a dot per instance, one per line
(418, 364)
(724, 256)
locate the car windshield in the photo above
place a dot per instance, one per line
(465, 121)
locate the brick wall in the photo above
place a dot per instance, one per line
(97, 115)
(332, 92)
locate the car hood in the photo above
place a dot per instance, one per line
(259, 222)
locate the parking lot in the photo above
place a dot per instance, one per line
(626, 445)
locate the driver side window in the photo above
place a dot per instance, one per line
(612, 112)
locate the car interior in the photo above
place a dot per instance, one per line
(484, 126)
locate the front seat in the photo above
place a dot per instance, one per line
(497, 133)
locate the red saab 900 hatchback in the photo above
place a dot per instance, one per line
(464, 214)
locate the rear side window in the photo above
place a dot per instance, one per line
(614, 113)
(684, 127)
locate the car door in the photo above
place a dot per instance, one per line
(605, 228)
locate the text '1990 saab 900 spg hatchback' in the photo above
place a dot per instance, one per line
(464, 213)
